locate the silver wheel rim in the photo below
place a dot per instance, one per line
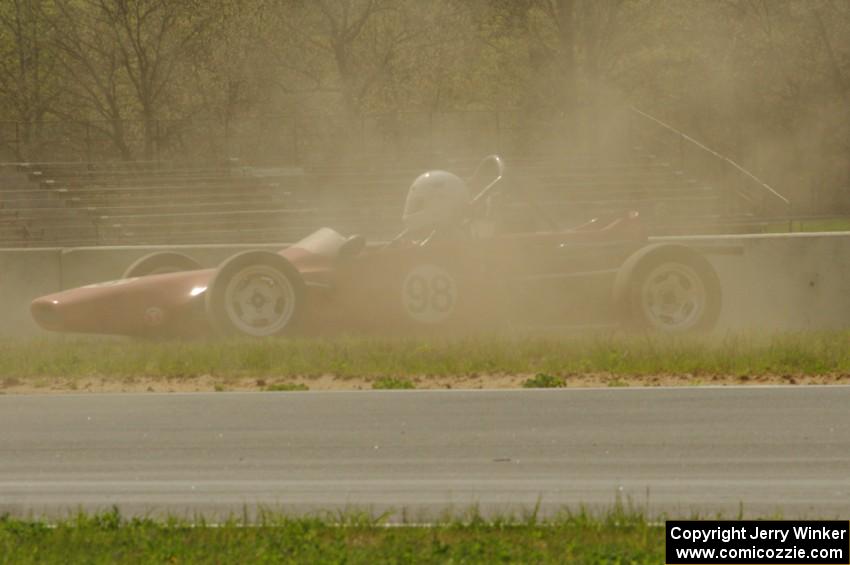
(673, 297)
(259, 300)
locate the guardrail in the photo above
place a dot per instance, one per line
(704, 162)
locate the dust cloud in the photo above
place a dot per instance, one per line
(645, 146)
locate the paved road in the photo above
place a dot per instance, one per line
(772, 450)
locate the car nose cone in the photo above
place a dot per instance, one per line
(47, 314)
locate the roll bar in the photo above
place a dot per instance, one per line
(500, 172)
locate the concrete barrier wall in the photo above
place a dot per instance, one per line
(797, 281)
(25, 274)
(774, 282)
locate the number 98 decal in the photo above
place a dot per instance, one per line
(429, 294)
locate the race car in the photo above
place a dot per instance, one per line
(450, 270)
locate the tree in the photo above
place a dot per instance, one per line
(28, 84)
(154, 38)
(92, 71)
(122, 59)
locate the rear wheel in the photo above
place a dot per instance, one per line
(672, 292)
(160, 263)
(255, 293)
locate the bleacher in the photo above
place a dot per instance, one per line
(86, 204)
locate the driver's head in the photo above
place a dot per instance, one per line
(436, 198)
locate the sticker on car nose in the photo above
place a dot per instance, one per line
(154, 316)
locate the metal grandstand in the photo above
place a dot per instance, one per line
(159, 201)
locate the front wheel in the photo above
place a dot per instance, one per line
(255, 293)
(672, 291)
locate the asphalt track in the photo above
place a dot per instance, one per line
(769, 451)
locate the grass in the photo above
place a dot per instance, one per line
(392, 383)
(286, 387)
(542, 380)
(618, 537)
(33, 361)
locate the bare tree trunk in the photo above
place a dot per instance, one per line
(350, 103)
(834, 64)
(119, 139)
(150, 133)
(567, 60)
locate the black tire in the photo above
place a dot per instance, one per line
(669, 289)
(275, 305)
(160, 263)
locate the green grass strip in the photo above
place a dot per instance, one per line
(109, 538)
(816, 353)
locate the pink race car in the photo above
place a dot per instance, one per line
(449, 270)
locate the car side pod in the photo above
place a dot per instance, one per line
(668, 288)
(256, 294)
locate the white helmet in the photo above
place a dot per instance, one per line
(435, 198)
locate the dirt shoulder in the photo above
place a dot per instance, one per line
(208, 383)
